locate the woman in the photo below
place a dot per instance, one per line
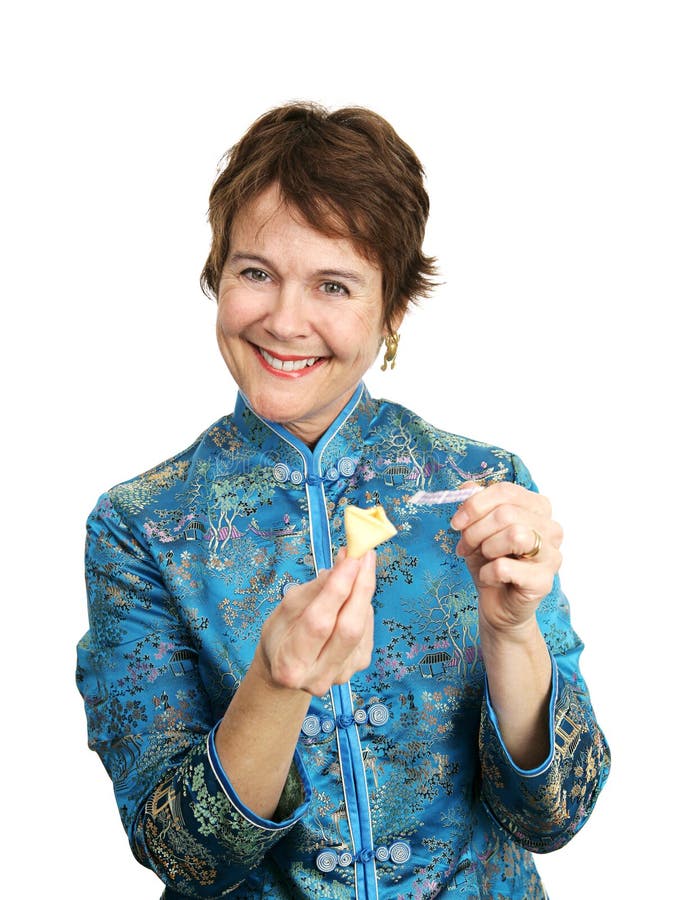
(280, 720)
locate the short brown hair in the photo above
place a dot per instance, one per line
(349, 174)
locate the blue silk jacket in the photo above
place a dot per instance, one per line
(401, 786)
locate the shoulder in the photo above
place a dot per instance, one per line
(471, 459)
(164, 482)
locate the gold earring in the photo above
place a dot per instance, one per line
(391, 345)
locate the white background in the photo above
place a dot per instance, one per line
(556, 137)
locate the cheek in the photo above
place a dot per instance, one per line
(231, 318)
(370, 342)
(356, 336)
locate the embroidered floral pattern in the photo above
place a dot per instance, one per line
(185, 562)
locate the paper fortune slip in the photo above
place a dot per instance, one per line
(432, 498)
(365, 529)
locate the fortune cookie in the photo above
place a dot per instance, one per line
(365, 529)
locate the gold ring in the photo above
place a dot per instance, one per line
(536, 547)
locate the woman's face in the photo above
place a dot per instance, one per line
(299, 316)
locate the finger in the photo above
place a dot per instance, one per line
(499, 494)
(302, 623)
(472, 487)
(319, 617)
(354, 622)
(341, 554)
(520, 540)
(297, 595)
(349, 646)
(336, 665)
(510, 520)
(532, 581)
(361, 656)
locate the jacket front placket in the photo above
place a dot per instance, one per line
(353, 777)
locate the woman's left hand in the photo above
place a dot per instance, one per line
(512, 549)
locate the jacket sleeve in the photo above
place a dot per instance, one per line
(543, 808)
(150, 722)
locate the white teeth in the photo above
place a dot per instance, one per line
(287, 365)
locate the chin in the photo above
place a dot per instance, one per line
(274, 407)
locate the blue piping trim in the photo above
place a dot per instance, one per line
(540, 769)
(224, 781)
(323, 442)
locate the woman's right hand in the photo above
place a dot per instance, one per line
(322, 631)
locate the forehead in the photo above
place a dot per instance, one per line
(270, 221)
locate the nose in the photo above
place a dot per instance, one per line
(287, 316)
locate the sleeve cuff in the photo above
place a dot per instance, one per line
(542, 767)
(294, 801)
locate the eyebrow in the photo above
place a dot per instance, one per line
(343, 274)
(250, 257)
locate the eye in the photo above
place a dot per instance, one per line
(335, 289)
(259, 276)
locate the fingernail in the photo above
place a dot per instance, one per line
(459, 520)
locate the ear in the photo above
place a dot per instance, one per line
(395, 323)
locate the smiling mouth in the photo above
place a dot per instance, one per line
(288, 365)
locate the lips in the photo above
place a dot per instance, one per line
(287, 365)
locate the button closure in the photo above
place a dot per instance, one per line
(399, 852)
(281, 472)
(347, 466)
(310, 726)
(326, 861)
(378, 714)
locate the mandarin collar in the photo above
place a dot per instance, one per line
(336, 455)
